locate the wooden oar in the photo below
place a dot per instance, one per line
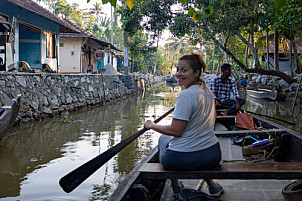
(291, 123)
(288, 122)
(73, 179)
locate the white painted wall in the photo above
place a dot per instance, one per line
(16, 45)
(70, 55)
(106, 58)
(115, 63)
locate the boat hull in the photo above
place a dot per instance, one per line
(263, 93)
(127, 189)
(8, 115)
(290, 145)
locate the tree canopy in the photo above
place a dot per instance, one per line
(232, 25)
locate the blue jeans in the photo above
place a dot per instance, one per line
(196, 160)
(231, 103)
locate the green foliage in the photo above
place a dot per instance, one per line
(157, 15)
(230, 22)
(279, 4)
(182, 1)
(130, 19)
(286, 18)
(208, 11)
(141, 52)
(182, 25)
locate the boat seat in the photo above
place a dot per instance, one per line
(221, 110)
(267, 170)
(272, 132)
(226, 117)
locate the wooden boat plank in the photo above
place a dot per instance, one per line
(280, 170)
(291, 168)
(226, 117)
(238, 170)
(250, 132)
(126, 184)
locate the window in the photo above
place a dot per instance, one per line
(50, 45)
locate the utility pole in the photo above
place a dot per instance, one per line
(111, 59)
(125, 51)
(156, 55)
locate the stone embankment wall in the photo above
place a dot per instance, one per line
(46, 95)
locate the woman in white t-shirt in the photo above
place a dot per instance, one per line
(189, 142)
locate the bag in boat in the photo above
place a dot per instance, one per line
(194, 195)
(265, 149)
(244, 121)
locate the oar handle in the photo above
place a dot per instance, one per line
(73, 179)
(288, 122)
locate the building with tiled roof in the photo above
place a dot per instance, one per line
(77, 51)
(34, 34)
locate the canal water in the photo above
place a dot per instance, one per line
(35, 156)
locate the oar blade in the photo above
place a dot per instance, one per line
(73, 179)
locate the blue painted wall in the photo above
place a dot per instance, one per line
(30, 47)
(24, 49)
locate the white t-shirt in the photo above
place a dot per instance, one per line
(195, 105)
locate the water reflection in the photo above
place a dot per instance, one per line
(35, 156)
(280, 110)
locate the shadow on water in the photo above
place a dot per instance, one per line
(35, 156)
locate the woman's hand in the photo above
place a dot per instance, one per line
(175, 129)
(148, 124)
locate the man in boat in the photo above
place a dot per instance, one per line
(99, 56)
(221, 86)
(189, 143)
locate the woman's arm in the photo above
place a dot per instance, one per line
(175, 129)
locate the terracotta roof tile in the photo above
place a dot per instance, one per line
(84, 33)
(39, 10)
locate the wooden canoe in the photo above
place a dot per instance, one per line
(263, 93)
(149, 176)
(8, 115)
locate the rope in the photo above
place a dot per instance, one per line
(262, 155)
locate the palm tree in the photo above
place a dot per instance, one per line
(178, 47)
(62, 8)
(97, 10)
